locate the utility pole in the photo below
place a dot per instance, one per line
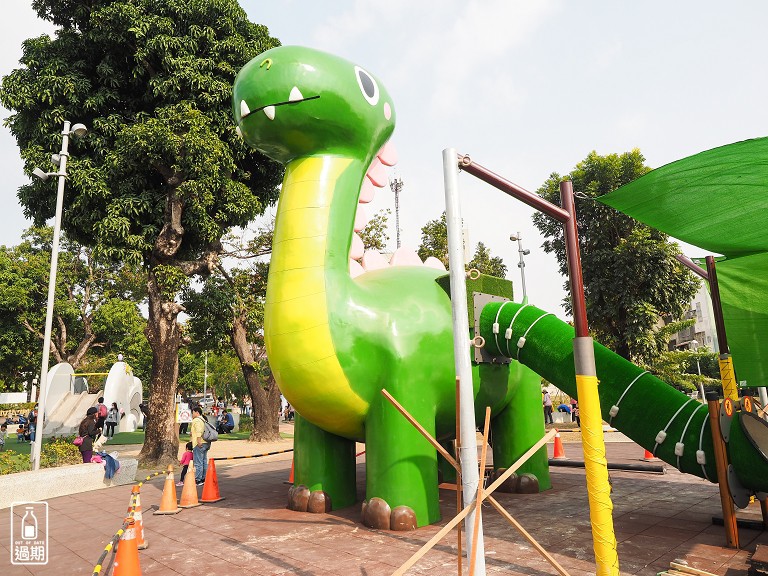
(518, 238)
(396, 185)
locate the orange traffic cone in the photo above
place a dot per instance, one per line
(559, 451)
(211, 486)
(189, 492)
(141, 542)
(648, 456)
(168, 499)
(127, 559)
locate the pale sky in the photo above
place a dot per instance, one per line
(526, 87)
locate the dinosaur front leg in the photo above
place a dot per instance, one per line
(516, 429)
(324, 470)
(401, 466)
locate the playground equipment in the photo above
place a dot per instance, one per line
(341, 324)
(68, 397)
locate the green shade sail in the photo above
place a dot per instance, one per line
(718, 200)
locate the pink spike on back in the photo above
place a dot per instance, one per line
(388, 154)
(357, 249)
(405, 257)
(433, 262)
(377, 173)
(373, 260)
(355, 269)
(361, 218)
(367, 191)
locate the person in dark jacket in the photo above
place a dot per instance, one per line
(89, 432)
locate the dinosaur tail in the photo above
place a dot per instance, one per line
(661, 419)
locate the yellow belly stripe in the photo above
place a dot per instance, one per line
(297, 333)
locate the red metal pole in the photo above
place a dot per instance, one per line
(692, 266)
(573, 253)
(717, 306)
(533, 200)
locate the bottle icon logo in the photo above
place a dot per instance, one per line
(29, 524)
(29, 533)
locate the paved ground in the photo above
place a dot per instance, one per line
(657, 518)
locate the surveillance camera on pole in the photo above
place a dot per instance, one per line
(521, 264)
(60, 160)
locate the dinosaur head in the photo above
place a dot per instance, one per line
(291, 102)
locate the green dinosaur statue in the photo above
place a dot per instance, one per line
(337, 331)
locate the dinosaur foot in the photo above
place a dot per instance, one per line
(523, 484)
(377, 514)
(302, 500)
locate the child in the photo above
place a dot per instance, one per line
(3, 434)
(20, 434)
(186, 458)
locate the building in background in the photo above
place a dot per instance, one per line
(702, 334)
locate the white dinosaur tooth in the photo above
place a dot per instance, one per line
(355, 269)
(388, 154)
(357, 249)
(238, 131)
(361, 218)
(377, 173)
(405, 257)
(367, 191)
(433, 262)
(373, 260)
(270, 112)
(244, 110)
(295, 95)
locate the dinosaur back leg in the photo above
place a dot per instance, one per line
(324, 470)
(516, 428)
(401, 466)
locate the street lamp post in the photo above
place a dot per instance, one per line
(61, 160)
(518, 238)
(694, 345)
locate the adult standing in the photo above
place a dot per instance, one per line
(144, 412)
(199, 446)
(32, 423)
(547, 402)
(88, 431)
(103, 411)
(113, 417)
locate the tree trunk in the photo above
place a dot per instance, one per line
(161, 445)
(266, 426)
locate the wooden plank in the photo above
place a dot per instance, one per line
(443, 452)
(461, 515)
(528, 537)
(689, 569)
(434, 540)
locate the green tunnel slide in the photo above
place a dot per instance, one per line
(658, 417)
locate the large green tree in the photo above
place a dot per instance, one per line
(162, 174)
(631, 276)
(229, 311)
(434, 242)
(94, 316)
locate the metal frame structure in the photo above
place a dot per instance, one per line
(598, 487)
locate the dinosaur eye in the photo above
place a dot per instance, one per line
(368, 86)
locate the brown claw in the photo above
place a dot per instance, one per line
(376, 513)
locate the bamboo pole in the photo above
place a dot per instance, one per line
(527, 536)
(443, 452)
(461, 515)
